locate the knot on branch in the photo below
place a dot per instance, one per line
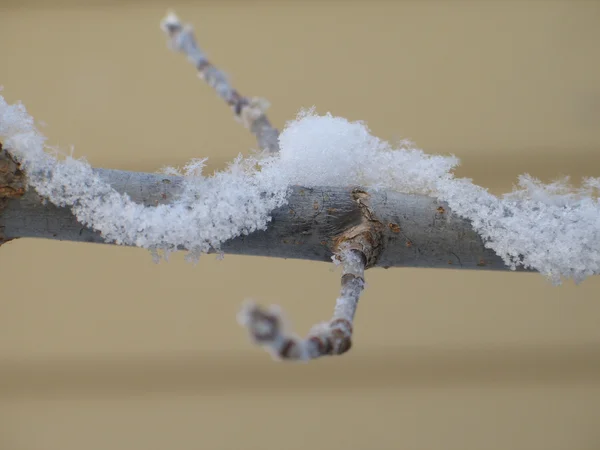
(367, 236)
(12, 178)
(12, 182)
(253, 109)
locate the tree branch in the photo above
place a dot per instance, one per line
(417, 231)
(250, 111)
(357, 227)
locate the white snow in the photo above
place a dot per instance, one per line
(553, 228)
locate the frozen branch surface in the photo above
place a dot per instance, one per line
(430, 217)
(416, 232)
(250, 111)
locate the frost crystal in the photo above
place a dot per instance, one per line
(552, 228)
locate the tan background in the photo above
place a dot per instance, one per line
(102, 349)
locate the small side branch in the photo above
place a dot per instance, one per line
(357, 248)
(250, 111)
(331, 338)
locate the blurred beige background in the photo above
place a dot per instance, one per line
(102, 349)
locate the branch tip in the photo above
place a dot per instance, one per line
(266, 326)
(170, 22)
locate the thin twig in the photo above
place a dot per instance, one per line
(330, 338)
(250, 111)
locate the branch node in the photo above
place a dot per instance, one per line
(12, 183)
(367, 236)
(252, 111)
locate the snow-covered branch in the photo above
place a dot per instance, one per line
(418, 231)
(325, 188)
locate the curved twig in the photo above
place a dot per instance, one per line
(331, 338)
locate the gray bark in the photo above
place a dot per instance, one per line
(419, 231)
